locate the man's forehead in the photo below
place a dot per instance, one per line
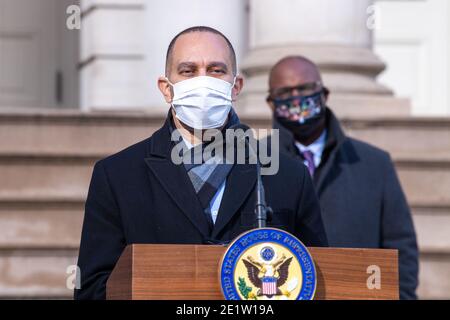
(292, 73)
(201, 48)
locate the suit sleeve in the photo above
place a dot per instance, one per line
(309, 224)
(398, 232)
(102, 238)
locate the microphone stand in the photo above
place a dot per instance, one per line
(262, 211)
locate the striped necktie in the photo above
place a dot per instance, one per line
(309, 158)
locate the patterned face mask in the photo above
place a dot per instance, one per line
(299, 108)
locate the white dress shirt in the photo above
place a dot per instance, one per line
(316, 148)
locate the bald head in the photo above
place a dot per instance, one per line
(293, 71)
(220, 37)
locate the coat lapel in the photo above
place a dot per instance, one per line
(174, 179)
(241, 181)
(335, 140)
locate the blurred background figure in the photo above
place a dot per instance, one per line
(70, 96)
(362, 202)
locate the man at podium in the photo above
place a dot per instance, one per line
(140, 195)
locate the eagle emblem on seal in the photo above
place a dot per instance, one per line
(269, 273)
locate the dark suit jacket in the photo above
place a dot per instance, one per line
(361, 199)
(139, 196)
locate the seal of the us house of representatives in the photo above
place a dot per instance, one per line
(267, 264)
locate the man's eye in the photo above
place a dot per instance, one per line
(219, 71)
(185, 72)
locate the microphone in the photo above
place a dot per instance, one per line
(262, 211)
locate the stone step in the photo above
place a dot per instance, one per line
(42, 225)
(425, 138)
(432, 226)
(42, 274)
(73, 133)
(29, 177)
(434, 273)
(77, 133)
(424, 181)
(428, 138)
(57, 225)
(33, 274)
(49, 176)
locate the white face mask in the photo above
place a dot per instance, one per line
(202, 102)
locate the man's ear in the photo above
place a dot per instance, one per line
(238, 85)
(165, 88)
(271, 104)
(326, 94)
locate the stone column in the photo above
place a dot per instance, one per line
(124, 43)
(112, 55)
(336, 36)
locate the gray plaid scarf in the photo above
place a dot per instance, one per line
(208, 176)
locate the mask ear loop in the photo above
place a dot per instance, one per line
(232, 87)
(168, 81)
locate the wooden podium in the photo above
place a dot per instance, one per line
(191, 272)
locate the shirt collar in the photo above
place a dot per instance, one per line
(316, 147)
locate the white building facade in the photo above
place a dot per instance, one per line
(113, 61)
